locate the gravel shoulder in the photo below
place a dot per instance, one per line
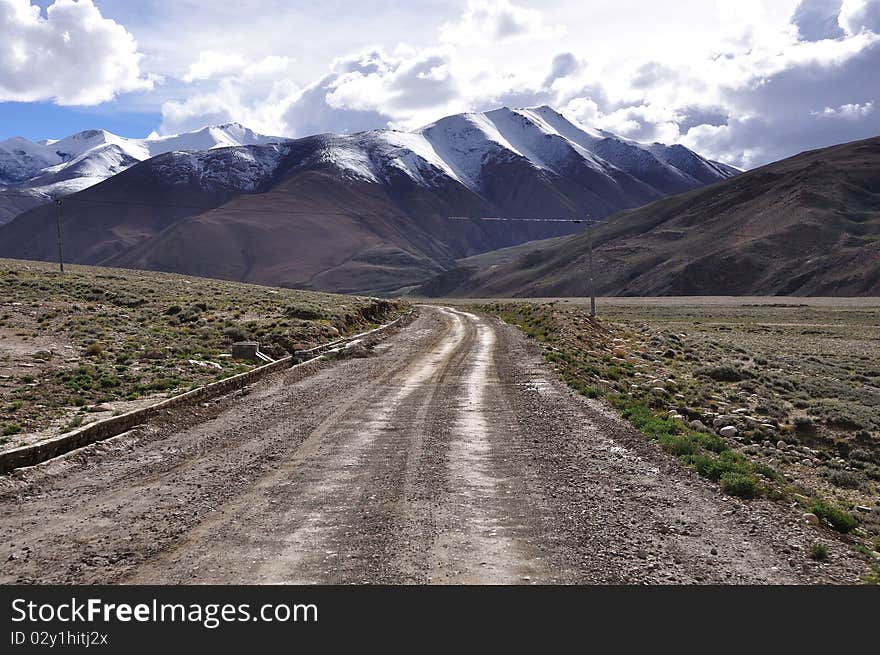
(452, 455)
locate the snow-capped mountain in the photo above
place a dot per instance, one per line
(461, 147)
(54, 168)
(362, 212)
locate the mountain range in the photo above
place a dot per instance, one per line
(808, 225)
(366, 212)
(31, 173)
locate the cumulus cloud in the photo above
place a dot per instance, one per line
(496, 20)
(817, 19)
(858, 16)
(762, 91)
(563, 65)
(849, 111)
(73, 55)
(212, 64)
(810, 103)
(367, 90)
(652, 73)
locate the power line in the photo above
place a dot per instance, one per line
(588, 220)
(499, 218)
(125, 203)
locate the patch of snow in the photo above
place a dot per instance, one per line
(467, 142)
(240, 169)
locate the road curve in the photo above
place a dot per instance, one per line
(451, 455)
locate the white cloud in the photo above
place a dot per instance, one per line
(860, 16)
(771, 82)
(817, 19)
(73, 55)
(212, 64)
(486, 21)
(848, 111)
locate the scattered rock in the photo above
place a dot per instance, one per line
(728, 432)
(699, 426)
(811, 518)
(103, 407)
(781, 445)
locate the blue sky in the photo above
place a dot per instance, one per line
(744, 81)
(41, 120)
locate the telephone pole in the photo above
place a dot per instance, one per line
(590, 266)
(58, 227)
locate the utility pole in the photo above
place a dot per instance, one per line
(590, 265)
(58, 226)
(587, 219)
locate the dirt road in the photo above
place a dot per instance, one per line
(452, 455)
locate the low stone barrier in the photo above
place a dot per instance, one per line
(116, 425)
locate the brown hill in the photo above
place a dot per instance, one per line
(807, 225)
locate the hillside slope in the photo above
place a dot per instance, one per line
(807, 225)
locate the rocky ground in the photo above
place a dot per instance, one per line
(452, 454)
(769, 397)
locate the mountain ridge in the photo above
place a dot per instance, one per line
(54, 168)
(353, 204)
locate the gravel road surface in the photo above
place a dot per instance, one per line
(452, 454)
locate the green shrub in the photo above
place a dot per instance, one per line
(10, 429)
(304, 312)
(819, 552)
(839, 519)
(711, 441)
(76, 422)
(234, 334)
(714, 468)
(767, 471)
(644, 418)
(679, 444)
(804, 425)
(724, 373)
(846, 479)
(580, 386)
(744, 485)
(94, 349)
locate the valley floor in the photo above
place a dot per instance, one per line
(452, 455)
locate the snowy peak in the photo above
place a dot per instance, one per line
(466, 149)
(548, 141)
(217, 136)
(21, 159)
(488, 153)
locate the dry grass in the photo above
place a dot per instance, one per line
(98, 336)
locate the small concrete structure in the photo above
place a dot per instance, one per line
(246, 350)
